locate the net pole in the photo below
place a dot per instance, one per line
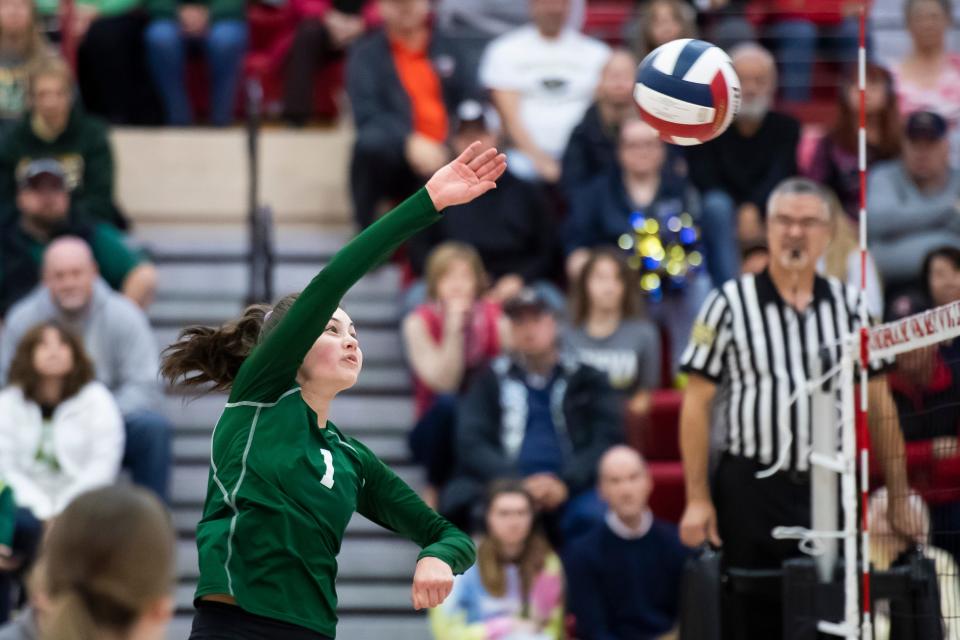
(863, 433)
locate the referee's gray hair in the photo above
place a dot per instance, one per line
(800, 187)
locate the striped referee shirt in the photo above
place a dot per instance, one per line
(760, 351)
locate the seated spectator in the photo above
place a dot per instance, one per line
(542, 77)
(624, 574)
(842, 260)
(474, 24)
(835, 161)
(60, 431)
(112, 72)
(913, 203)
(176, 30)
(941, 276)
(887, 546)
(797, 28)
(22, 45)
(515, 590)
(118, 338)
(603, 211)
(324, 32)
(538, 416)
(754, 258)
(758, 151)
(56, 127)
(658, 22)
(110, 567)
(10, 564)
(592, 148)
(511, 227)
(403, 81)
(928, 79)
(608, 334)
(43, 214)
(447, 340)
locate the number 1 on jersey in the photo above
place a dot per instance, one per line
(327, 479)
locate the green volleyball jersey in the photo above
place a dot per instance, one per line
(281, 490)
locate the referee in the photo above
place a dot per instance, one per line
(756, 342)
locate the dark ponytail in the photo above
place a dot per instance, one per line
(203, 355)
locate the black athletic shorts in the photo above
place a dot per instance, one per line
(221, 621)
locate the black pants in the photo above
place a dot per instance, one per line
(221, 621)
(748, 509)
(431, 440)
(379, 174)
(312, 48)
(112, 71)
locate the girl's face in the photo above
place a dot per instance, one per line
(604, 286)
(664, 25)
(52, 356)
(458, 282)
(927, 23)
(335, 358)
(16, 16)
(944, 281)
(510, 519)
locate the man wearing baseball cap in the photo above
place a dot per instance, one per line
(44, 212)
(914, 203)
(537, 415)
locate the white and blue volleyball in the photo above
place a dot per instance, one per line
(688, 91)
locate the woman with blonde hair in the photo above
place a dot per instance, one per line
(515, 591)
(447, 339)
(22, 44)
(658, 22)
(109, 568)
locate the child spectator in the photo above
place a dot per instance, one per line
(22, 44)
(542, 78)
(117, 335)
(57, 127)
(515, 590)
(44, 214)
(60, 430)
(447, 340)
(109, 562)
(324, 32)
(219, 28)
(607, 333)
(625, 572)
(835, 161)
(928, 78)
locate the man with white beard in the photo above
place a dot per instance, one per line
(750, 158)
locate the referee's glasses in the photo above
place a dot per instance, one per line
(807, 224)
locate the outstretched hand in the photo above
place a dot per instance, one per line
(469, 176)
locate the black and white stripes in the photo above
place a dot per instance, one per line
(761, 352)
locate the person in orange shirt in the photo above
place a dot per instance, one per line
(403, 80)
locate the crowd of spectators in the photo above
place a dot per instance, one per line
(534, 333)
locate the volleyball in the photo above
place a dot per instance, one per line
(688, 91)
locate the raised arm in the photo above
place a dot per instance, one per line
(272, 367)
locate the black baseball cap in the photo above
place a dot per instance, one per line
(39, 169)
(925, 125)
(471, 113)
(529, 300)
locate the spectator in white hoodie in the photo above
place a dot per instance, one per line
(61, 432)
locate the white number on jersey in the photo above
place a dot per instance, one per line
(327, 479)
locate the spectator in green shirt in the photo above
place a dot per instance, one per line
(22, 44)
(219, 29)
(44, 213)
(57, 128)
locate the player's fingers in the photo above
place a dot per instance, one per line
(493, 169)
(415, 597)
(714, 535)
(482, 159)
(470, 153)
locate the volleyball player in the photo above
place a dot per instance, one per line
(284, 481)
